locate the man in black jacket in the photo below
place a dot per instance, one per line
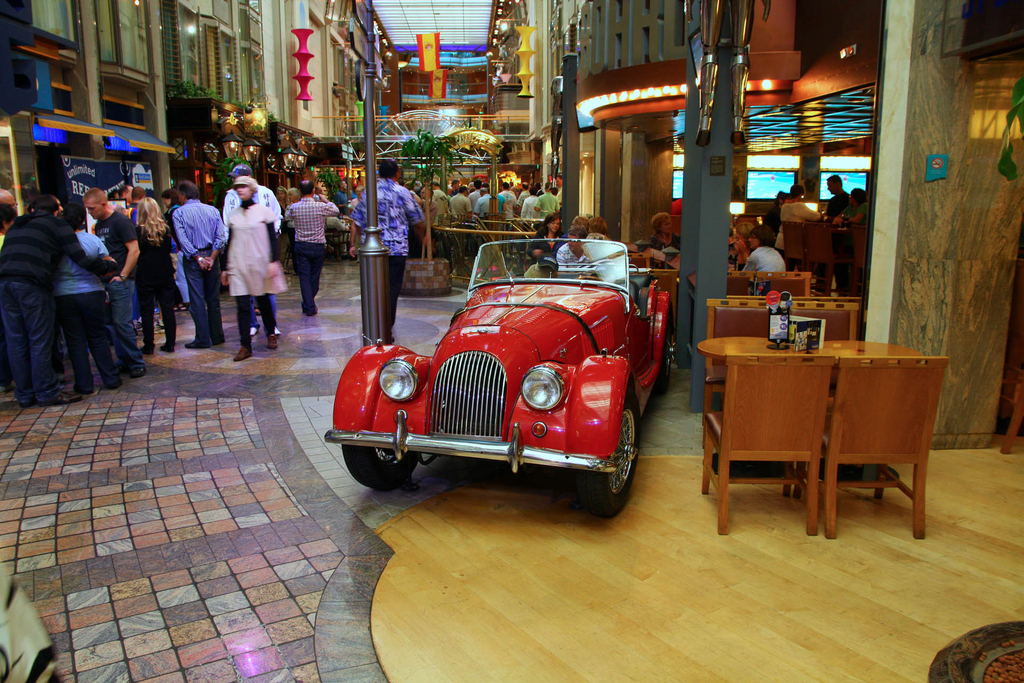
(32, 250)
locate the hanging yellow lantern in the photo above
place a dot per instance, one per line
(525, 54)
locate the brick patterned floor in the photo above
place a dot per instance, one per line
(154, 553)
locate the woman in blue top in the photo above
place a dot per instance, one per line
(81, 308)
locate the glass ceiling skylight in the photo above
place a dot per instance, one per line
(463, 24)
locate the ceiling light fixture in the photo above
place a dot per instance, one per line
(589, 106)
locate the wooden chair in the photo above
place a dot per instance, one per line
(820, 253)
(795, 245)
(778, 416)
(796, 283)
(639, 260)
(748, 317)
(884, 412)
(1013, 380)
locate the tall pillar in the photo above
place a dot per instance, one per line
(85, 86)
(156, 103)
(707, 190)
(570, 154)
(608, 163)
(952, 248)
(646, 182)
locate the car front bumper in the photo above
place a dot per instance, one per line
(514, 452)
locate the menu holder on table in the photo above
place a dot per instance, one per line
(806, 334)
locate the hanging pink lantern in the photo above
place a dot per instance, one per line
(303, 55)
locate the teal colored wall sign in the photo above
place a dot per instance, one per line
(936, 170)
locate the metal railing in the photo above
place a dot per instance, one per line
(458, 241)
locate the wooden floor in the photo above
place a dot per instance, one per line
(498, 582)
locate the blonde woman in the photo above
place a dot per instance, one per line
(154, 275)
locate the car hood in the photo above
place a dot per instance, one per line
(564, 322)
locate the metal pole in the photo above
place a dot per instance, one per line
(375, 295)
(570, 166)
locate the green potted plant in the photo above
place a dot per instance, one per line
(425, 155)
(329, 180)
(221, 181)
(187, 90)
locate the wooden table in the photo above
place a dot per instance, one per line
(720, 348)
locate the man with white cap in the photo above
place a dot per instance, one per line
(267, 198)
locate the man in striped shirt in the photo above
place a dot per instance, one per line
(309, 217)
(202, 236)
(33, 248)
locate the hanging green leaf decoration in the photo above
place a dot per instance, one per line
(1007, 166)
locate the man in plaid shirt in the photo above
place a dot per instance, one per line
(309, 218)
(397, 209)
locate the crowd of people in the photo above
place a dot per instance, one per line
(72, 288)
(532, 202)
(762, 248)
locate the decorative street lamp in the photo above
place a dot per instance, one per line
(300, 160)
(232, 145)
(251, 150)
(290, 156)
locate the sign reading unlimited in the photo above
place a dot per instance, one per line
(82, 174)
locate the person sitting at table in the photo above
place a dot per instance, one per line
(598, 224)
(763, 256)
(795, 211)
(572, 253)
(661, 238)
(548, 238)
(857, 211)
(773, 219)
(840, 199)
(739, 244)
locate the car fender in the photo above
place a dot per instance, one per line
(594, 405)
(355, 401)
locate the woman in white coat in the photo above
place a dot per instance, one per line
(252, 265)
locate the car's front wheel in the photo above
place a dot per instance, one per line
(377, 468)
(605, 493)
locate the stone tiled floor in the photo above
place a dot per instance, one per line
(193, 525)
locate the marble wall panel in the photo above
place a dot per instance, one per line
(646, 182)
(957, 237)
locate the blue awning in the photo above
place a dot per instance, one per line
(72, 125)
(140, 138)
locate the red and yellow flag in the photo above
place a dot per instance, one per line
(438, 84)
(430, 51)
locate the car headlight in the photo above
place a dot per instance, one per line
(398, 379)
(542, 388)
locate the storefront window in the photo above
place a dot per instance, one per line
(132, 17)
(105, 27)
(228, 54)
(188, 37)
(17, 162)
(56, 17)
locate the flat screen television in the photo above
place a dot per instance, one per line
(765, 185)
(850, 181)
(677, 184)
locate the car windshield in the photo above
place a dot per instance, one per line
(599, 261)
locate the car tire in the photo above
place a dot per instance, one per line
(605, 493)
(661, 383)
(366, 467)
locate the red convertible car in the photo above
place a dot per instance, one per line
(550, 362)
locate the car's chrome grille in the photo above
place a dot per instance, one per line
(469, 396)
